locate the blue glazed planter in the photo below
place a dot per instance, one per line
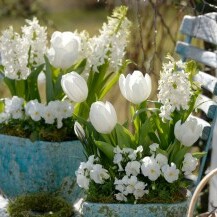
(135, 210)
(27, 167)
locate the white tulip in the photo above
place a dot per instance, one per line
(64, 51)
(188, 132)
(103, 117)
(74, 86)
(136, 88)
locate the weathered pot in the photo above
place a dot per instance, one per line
(27, 167)
(135, 210)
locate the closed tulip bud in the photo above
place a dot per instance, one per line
(64, 51)
(74, 86)
(188, 132)
(136, 88)
(103, 117)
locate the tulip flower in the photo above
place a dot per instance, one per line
(75, 87)
(188, 132)
(64, 51)
(136, 88)
(103, 117)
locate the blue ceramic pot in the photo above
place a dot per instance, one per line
(135, 210)
(27, 166)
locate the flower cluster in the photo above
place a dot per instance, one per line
(152, 152)
(71, 65)
(54, 112)
(174, 89)
(89, 171)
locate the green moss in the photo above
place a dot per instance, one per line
(40, 205)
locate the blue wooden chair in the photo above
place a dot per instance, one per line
(203, 27)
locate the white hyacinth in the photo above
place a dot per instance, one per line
(15, 49)
(150, 168)
(174, 88)
(170, 173)
(36, 36)
(110, 44)
(14, 55)
(189, 164)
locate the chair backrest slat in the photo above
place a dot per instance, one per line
(202, 27)
(190, 52)
(207, 81)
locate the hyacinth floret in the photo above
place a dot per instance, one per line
(174, 88)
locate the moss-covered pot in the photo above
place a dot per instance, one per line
(27, 167)
(135, 210)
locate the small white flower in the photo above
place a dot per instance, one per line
(83, 181)
(98, 174)
(121, 197)
(150, 168)
(14, 107)
(4, 117)
(189, 163)
(34, 109)
(161, 159)
(140, 191)
(170, 173)
(153, 148)
(132, 168)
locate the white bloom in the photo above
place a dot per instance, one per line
(98, 174)
(132, 168)
(150, 168)
(4, 117)
(103, 117)
(174, 89)
(36, 36)
(83, 181)
(15, 49)
(47, 114)
(121, 197)
(14, 55)
(133, 154)
(153, 148)
(14, 107)
(136, 88)
(170, 173)
(64, 51)
(109, 45)
(189, 164)
(34, 109)
(161, 159)
(132, 181)
(188, 132)
(74, 86)
(140, 190)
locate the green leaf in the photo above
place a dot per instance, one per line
(78, 67)
(21, 88)
(124, 137)
(11, 85)
(2, 106)
(106, 148)
(199, 155)
(49, 83)
(58, 91)
(33, 84)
